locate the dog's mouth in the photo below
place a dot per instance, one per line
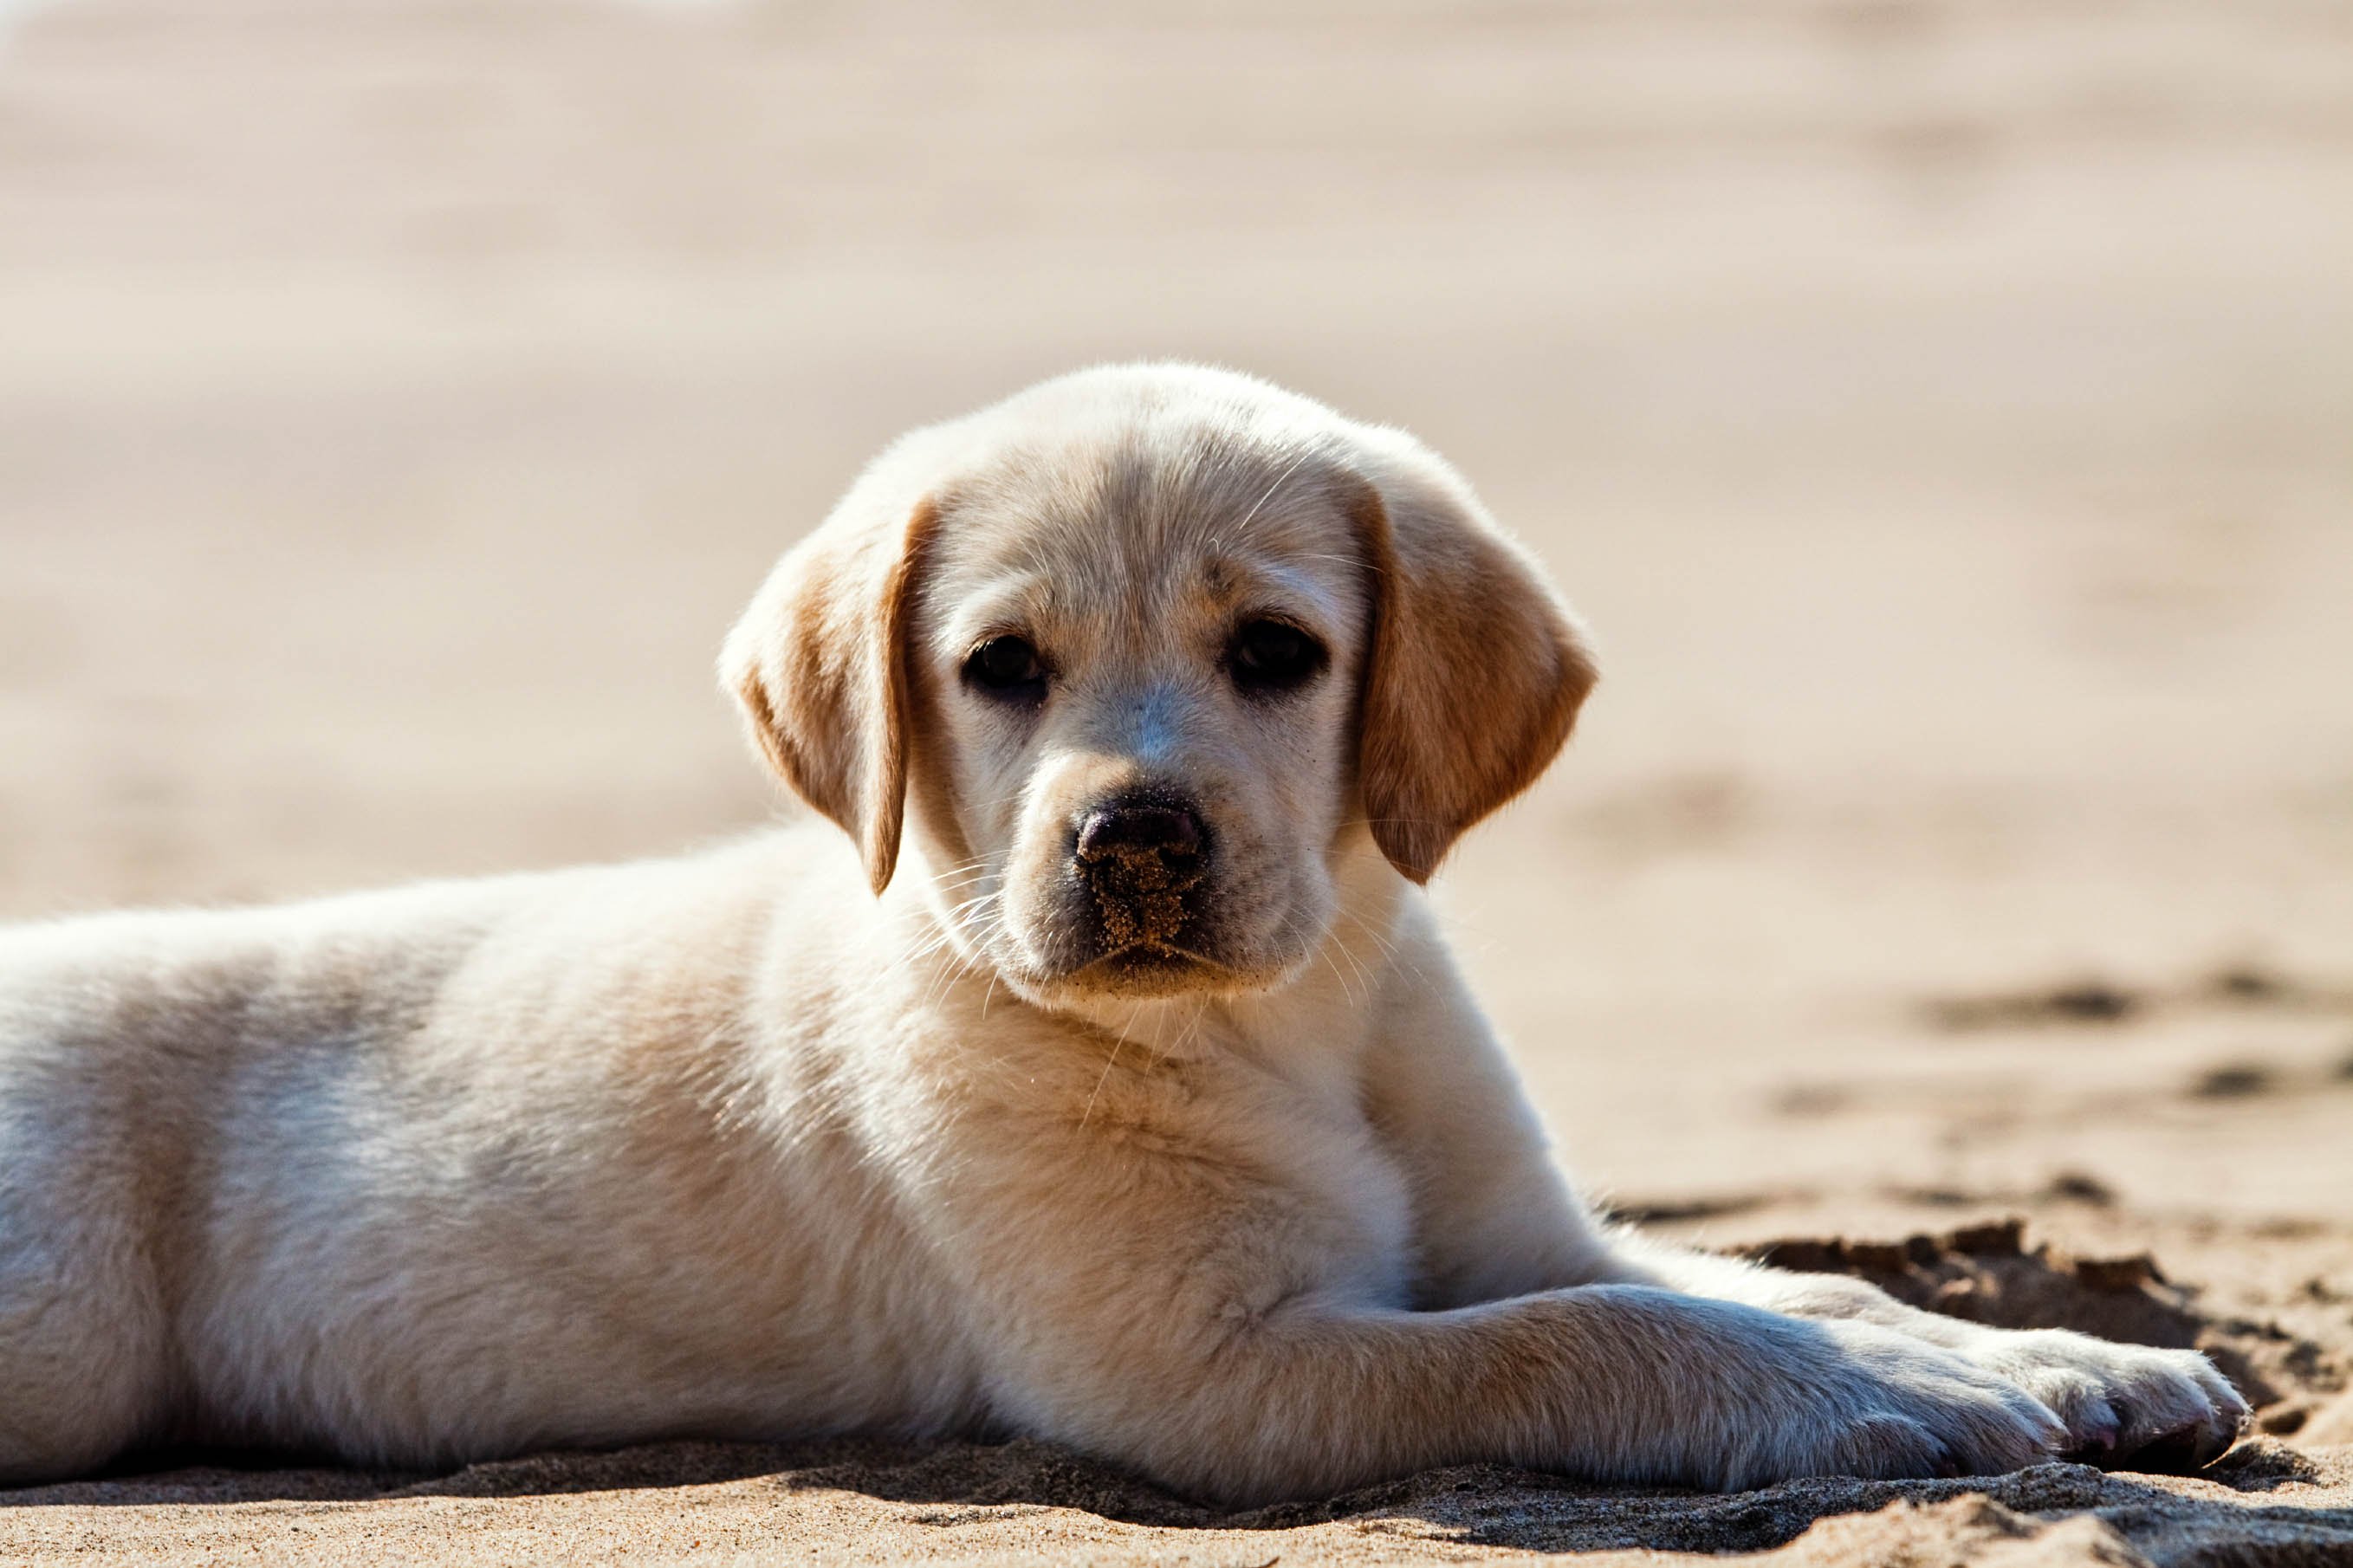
(1147, 969)
(1153, 967)
(1145, 959)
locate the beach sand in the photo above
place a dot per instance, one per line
(1940, 411)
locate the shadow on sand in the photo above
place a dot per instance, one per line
(2246, 1508)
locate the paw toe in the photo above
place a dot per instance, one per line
(2094, 1430)
(2175, 1441)
(2178, 1452)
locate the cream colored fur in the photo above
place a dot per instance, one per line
(821, 1133)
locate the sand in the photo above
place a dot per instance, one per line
(1940, 410)
(1024, 1503)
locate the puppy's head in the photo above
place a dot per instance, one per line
(1140, 658)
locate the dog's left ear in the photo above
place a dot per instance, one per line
(817, 662)
(1475, 670)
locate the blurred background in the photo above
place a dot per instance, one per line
(1942, 409)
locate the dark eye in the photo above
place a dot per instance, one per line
(1006, 666)
(1273, 656)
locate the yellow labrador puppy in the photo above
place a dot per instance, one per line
(1109, 1082)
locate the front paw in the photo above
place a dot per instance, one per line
(1882, 1403)
(2126, 1406)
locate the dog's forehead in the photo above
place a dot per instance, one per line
(1149, 520)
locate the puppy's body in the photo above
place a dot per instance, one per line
(1142, 1110)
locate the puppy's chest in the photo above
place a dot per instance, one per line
(1302, 1163)
(1370, 1202)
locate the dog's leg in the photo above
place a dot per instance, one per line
(85, 1342)
(1493, 1216)
(2170, 1408)
(83, 1347)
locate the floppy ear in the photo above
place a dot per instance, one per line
(817, 662)
(1476, 670)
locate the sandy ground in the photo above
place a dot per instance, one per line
(1944, 412)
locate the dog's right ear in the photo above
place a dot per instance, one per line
(818, 664)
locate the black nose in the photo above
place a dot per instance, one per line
(1130, 830)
